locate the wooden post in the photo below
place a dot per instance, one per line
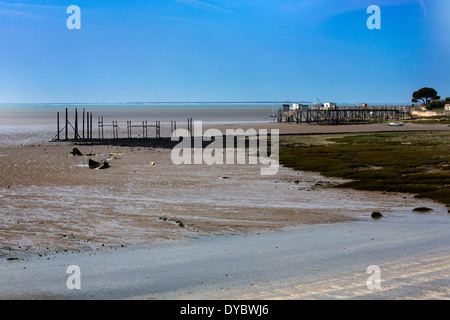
(67, 125)
(87, 125)
(146, 129)
(158, 129)
(90, 121)
(100, 128)
(57, 125)
(75, 135)
(83, 123)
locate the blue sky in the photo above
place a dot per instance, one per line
(210, 50)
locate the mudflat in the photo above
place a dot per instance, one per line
(56, 211)
(52, 201)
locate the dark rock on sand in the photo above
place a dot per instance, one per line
(104, 165)
(93, 164)
(422, 209)
(178, 222)
(100, 165)
(376, 215)
(76, 152)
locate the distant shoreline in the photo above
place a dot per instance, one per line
(190, 103)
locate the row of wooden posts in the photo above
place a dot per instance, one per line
(86, 130)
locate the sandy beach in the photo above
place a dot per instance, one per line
(316, 262)
(53, 205)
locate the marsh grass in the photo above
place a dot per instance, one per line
(442, 119)
(417, 163)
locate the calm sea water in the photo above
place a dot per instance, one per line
(34, 123)
(165, 112)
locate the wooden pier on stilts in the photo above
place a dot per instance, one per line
(344, 115)
(72, 131)
(137, 133)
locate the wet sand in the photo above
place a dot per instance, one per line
(67, 206)
(322, 261)
(65, 209)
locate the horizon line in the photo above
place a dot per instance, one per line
(190, 102)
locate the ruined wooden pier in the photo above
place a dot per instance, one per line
(344, 115)
(71, 130)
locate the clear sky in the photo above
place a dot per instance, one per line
(210, 50)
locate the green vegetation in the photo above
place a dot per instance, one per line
(430, 99)
(425, 95)
(438, 104)
(417, 163)
(443, 119)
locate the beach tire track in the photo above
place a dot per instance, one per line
(415, 278)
